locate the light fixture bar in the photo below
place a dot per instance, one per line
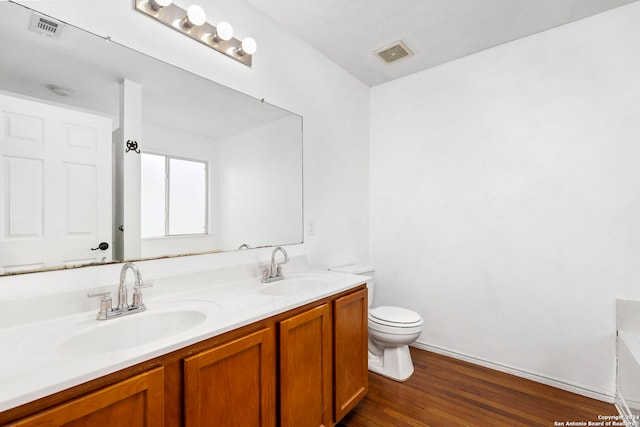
(174, 16)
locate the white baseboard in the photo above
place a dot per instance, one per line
(563, 385)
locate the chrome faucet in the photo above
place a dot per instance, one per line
(273, 272)
(106, 307)
(122, 288)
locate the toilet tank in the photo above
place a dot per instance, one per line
(363, 270)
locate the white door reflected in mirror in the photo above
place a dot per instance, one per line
(56, 184)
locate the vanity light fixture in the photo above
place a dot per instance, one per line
(157, 4)
(195, 17)
(224, 31)
(193, 23)
(247, 47)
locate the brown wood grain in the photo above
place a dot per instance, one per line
(232, 384)
(306, 369)
(135, 402)
(448, 392)
(350, 373)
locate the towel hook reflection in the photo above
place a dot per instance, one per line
(132, 146)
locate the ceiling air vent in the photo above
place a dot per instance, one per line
(394, 52)
(45, 25)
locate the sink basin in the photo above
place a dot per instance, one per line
(132, 331)
(294, 286)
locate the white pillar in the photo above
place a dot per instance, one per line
(127, 244)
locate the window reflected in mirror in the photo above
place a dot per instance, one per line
(174, 196)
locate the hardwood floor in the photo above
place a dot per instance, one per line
(448, 392)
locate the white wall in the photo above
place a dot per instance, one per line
(287, 73)
(505, 199)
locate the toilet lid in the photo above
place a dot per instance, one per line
(395, 315)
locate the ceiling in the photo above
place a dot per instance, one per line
(437, 31)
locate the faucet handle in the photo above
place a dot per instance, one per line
(105, 303)
(143, 285)
(265, 271)
(137, 295)
(104, 295)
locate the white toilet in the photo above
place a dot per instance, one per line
(391, 330)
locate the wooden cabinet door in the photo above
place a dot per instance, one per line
(305, 369)
(350, 370)
(232, 384)
(134, 402)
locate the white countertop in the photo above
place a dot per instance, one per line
(36, 360)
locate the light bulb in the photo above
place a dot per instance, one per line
(224, 31)
(248, 46)
(157, 4)
(196, 15)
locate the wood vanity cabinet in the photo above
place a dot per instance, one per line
(304, 367)
(323, 362)
(232, 384)
(135, 402)
(350, 368)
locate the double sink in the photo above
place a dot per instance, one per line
(52, 354)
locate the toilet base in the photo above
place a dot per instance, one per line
(395, 363)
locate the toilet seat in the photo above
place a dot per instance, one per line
(396, 317)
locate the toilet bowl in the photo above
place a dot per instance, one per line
(391, 330)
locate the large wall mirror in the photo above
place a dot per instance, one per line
(190, 167)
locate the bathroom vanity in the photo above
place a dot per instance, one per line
(288, 353)
(213, 347)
